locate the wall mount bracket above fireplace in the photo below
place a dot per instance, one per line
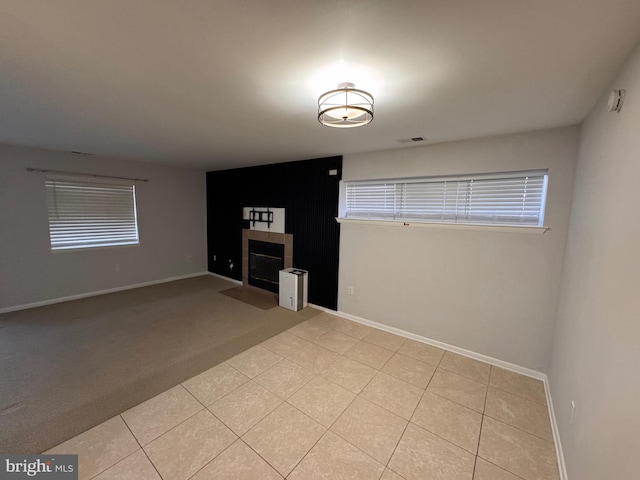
(265, 219)
(260, 216)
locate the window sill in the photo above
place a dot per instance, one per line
(452, 226)
(92, 249)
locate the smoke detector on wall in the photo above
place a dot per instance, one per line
(616, 99)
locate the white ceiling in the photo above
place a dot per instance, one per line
(224, 83)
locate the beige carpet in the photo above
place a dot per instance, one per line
(70, 366)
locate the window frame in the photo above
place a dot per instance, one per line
(395, 217)
(85, 203)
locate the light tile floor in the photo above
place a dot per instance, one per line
(331, 399)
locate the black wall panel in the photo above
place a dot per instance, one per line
(309, 195)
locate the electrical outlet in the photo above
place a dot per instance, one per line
(189, 258)
(118, 267)
(349, 290)
(215, 258)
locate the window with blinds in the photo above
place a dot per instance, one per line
(513, 199)
(86, 213)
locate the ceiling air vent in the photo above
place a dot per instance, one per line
(411, 140)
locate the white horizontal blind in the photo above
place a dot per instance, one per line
(375, 200)
(85, 213)
(516, 198)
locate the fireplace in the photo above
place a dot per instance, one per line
(264, 254)
(266, 259)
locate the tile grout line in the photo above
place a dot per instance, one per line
(359, 449)
(457, 403)
(465, 376)
(346, 389)
(502, 467)
(414, 411)
(486, 392)
(437, 435)
(340, 436)
(220, 420)
(219, 398)
(303, 457)
(355, 360)
(262, 418)
(118, 462)
(261, 371)
(216, 456)
(278, 353)
(136, 438)
(308, 451)
(258, 454)
(356, 395)
(141, 448)
(486, 386)
(131, 431)
(192, 395)
(481, 414)
(442, 438)
(240, 437)
(303, 366)
(519, 396)
(514, 426)
(484, 409)
(519, 429)
(172, 428)
(204, 408)
(313, 375)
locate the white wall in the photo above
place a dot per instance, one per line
(490, 292)
(172, 226)
(596, 350)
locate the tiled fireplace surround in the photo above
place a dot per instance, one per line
(285, 239)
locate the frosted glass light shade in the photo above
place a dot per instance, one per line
(345, 107)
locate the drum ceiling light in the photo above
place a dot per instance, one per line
(345, 107)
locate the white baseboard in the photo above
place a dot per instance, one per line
(97, 292)
(476, 356)
(232, 280)
(445, 346)
(562, 466)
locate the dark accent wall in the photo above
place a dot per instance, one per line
(309, 195)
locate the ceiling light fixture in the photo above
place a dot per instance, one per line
(345, 107)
